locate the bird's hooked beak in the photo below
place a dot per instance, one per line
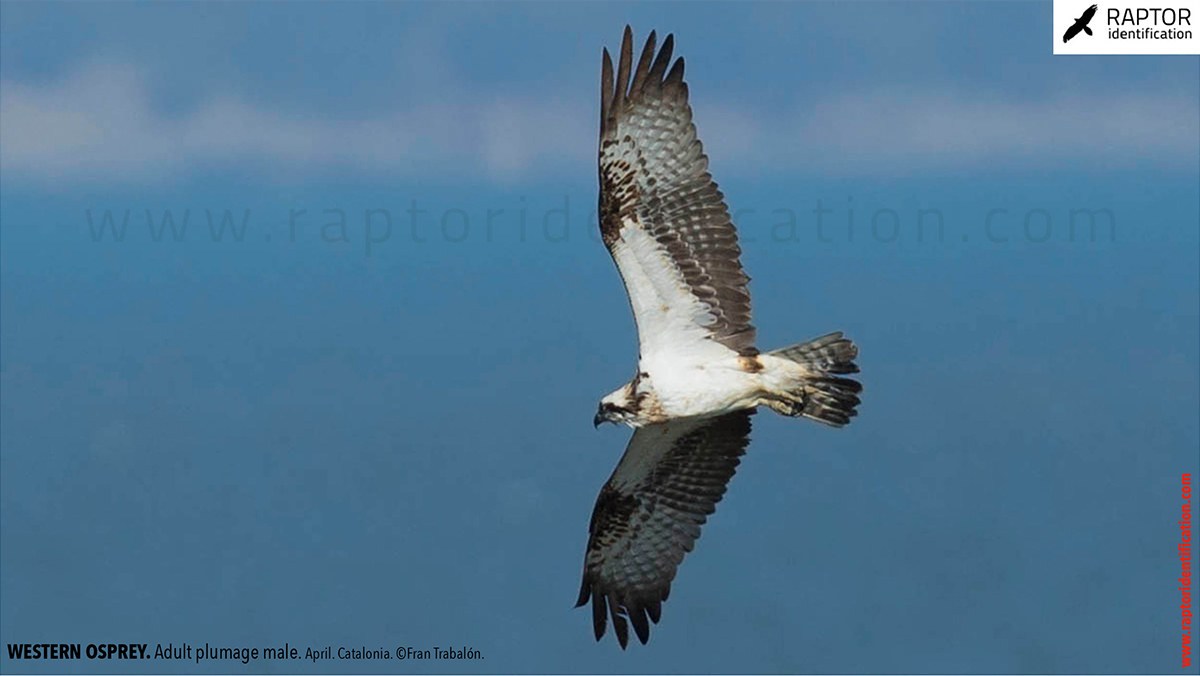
(603, 414)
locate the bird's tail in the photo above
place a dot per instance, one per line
(820, 394)
(1087, 30)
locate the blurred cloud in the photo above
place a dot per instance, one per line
(100, 124)
(957, 129)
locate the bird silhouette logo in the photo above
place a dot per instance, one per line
(1081, 24)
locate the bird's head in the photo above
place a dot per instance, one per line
(618, 407)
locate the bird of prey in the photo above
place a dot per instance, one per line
(699, 376)
(1081, 24)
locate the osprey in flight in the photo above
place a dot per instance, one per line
(699, 376)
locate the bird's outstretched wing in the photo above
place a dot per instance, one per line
(661, 215)
(649, 514)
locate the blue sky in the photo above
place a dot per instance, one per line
(348, 436)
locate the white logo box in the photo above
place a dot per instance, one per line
(1127, 27)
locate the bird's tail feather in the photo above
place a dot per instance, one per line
(831, 353)
(823, 396)
(1087, 30)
